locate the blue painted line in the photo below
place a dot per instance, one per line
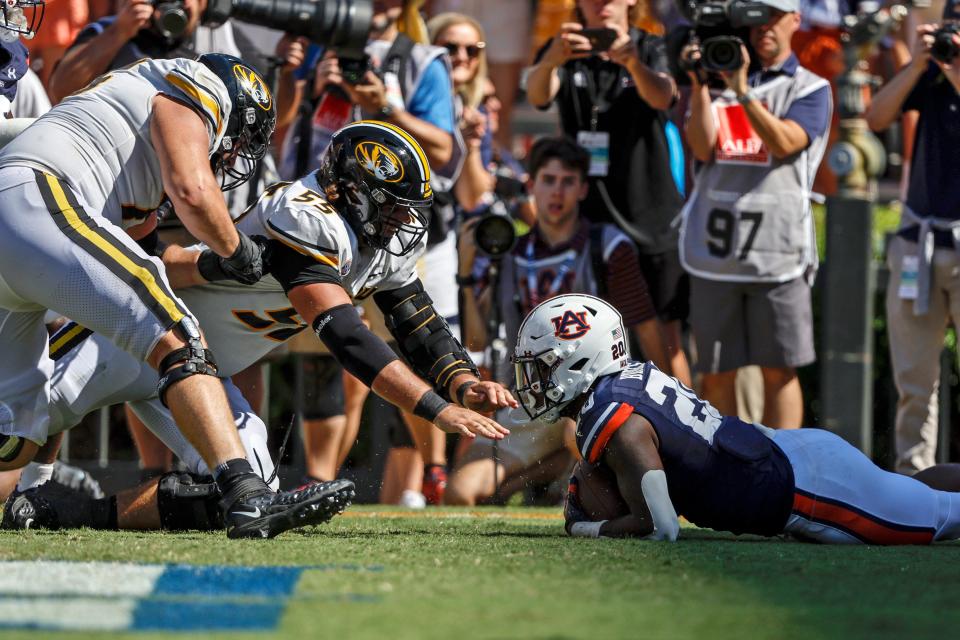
(226, 582)
(157, 615)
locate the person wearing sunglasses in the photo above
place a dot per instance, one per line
(613, 98)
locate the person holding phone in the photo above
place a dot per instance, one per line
(612, 88)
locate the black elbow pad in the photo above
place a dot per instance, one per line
(424, 337)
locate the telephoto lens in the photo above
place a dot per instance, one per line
(495, 235)
(343, 25)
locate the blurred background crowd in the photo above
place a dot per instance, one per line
(586, 146)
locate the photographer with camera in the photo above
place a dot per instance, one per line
(564, 252)
(924, 255)
(157, 29)
(611, 84)
(747, 237)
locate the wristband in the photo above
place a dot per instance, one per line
(462, 391)
(430, 406)
(586, 529)
(466, 281)
(749, 96)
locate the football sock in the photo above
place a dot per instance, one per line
(231, 473)
(34, 475)
(103, 513)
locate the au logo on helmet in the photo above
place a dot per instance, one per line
(254, 86)
(379, 161)
(571, 325)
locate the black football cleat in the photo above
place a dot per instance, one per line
(259, 513)
(49, 506)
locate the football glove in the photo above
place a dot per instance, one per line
(246, 266)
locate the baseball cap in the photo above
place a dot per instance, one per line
(788, 6)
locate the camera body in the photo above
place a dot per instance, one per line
(719, 26)
(353, 69)
(944, 49)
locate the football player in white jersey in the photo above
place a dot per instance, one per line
(350, 230)
(98, 163)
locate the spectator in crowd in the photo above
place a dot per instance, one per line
(565, 252)
(463, 38)
(613, 102)
(413, 90)
(747, 237)
(507, 24)
(62, 21)
(922, 296)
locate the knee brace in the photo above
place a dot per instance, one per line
(187, 502)
(194, 358)
(10, 447)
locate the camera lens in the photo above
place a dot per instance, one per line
(722, 53)
(170, 20)
(343, 25)
(944, 49)
(495, 235)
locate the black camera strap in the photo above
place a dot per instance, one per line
(599, 83)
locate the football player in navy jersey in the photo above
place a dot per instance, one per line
(673, 453)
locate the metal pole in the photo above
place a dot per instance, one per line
(849, 279)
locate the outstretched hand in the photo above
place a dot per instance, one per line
(487, 396)
(471, 424)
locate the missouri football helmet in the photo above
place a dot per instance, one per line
(253, 117)
(381, 179)
(565, 344)
(20, 18)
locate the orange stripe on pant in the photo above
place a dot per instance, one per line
(868, 530)
(616, 421)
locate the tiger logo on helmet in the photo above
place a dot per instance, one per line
(381, 178)
(379, 161)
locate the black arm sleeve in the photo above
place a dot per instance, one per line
(292, 269)
(423, 337)
(354, 346)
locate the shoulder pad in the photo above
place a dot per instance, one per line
(198, 86)
(599, 419)
(301, 218)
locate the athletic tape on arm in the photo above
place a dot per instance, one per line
(665, 523)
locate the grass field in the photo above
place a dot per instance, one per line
(449, 573)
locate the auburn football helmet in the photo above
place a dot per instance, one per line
(378, 177)
(20, 18)
(565, 344)
(253, 117)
